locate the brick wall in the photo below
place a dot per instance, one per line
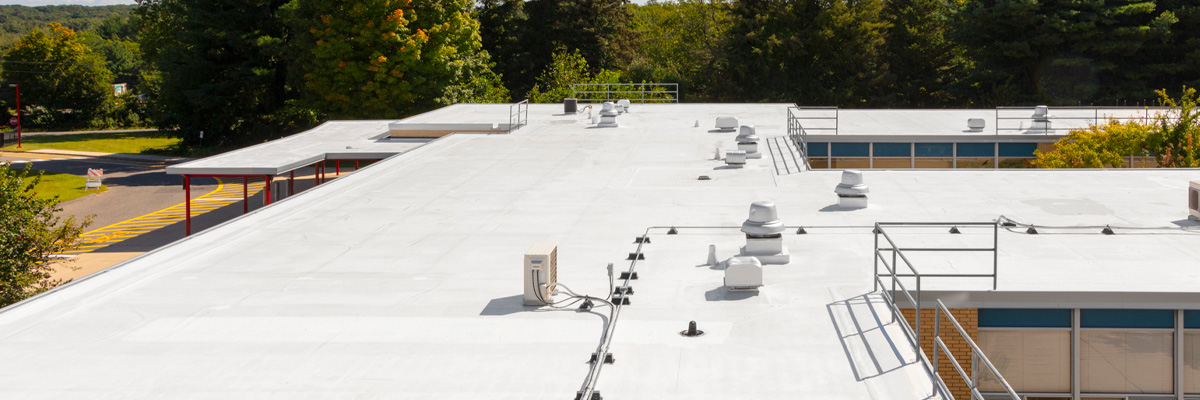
(969, 319)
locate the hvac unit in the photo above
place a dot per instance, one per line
(1194, 200)
(541, 271)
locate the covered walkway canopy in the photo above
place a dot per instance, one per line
(340, 141)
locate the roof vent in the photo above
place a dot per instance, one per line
(748, 141)
(976, 124)
(623, 105)
(608, 115)
(735, 158)
(764, 234)
(852, 192)
(743, 273)
(727, 124)
(1041, 119)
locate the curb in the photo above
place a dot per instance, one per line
(114, 156)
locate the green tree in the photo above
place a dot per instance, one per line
(922, 63)
(565, 70)
(1097, 146)
(680, 41)
(221, 69)
(56, 70)
(812, 52)
(1177, 133)
(389, 58)
(30, 234)
(503, 26)
(1056, 51)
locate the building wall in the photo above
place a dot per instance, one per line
(969, 319)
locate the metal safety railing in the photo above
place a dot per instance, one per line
(1020, 119)
(518, 115)
(913, 295)
(634, 92)
(977, 356)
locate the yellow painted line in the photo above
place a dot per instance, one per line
(220, 197)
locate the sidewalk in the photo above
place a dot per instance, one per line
(113, 156)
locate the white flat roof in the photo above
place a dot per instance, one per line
(403, 280)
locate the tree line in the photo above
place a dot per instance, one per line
(249, 70)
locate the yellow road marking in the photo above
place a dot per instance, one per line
(222, 196)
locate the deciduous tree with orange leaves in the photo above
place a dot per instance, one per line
(388, 58)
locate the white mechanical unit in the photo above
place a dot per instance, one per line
(727, 124)
(742, 273)
(608, 115)
(764, 235)
(735, 158)
(541, 271)
(852, 192)
(976, 124)
(1041, 119)
(623, 105)
(1194, 200)
(747, 141)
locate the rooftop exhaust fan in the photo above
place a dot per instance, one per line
(976, 124)
(1041, 119)
(608, 115)
(735, 158)
(764, 234)
(623, 106)
(747, 141)
(852, 192)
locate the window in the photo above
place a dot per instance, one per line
(976, 155)
(893, 150)
(818, 149)
(851, 149)
(1017, 155)
(933, 155)
(1024, 317)
(1031, 361)
(1120, 318)
(1126, 362)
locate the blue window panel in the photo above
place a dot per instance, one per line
(935, 149)
(1191, 319)
(818, 149)
(1024, 318)
(851, 149)
(976, 149)
(1017, 149)
(1104, 318)
(893, 149)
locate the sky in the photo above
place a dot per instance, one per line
(34, 3)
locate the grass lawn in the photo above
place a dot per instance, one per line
(66, 186)
(116, 142)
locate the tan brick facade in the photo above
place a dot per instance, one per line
(969, 319)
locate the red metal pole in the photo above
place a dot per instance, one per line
(245, 195)
(316, 174)
(356, 165)
(337, 167)
(267, 179)
(187, 200)
(291, 180)
(18, 86)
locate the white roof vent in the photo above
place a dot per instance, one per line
(1041, 113)
(747, 141)
(623, 105)
(852, 192)
(608, 115)
(727, 124)
(976, 124)
(764, 234)
(743, 273)
(736, 158)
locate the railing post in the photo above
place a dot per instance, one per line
(937, 323)
(995, 253)
(918, 307)
(974, 384)
(876, 260)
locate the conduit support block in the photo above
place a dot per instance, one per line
(608, 358)
(620, 299)
(623, 290)
(630, 276)
(642, 239)
(636, 256)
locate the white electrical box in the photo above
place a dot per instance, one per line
(541, 272)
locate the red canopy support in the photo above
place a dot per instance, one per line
(187, 201)
(245, 194)
(267, 181)
(291, 183)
